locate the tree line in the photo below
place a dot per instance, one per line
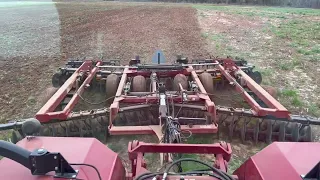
(289, 3)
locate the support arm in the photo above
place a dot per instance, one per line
(15, 153)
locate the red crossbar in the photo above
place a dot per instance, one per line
(182, 148)
(136, 150)
(129, 130)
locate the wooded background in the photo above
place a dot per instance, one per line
(292, 3)
(289, 3)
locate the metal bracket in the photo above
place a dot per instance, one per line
(41, 162)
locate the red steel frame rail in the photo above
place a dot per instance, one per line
(47, 113)
(136, 150)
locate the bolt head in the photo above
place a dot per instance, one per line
(40, 150)
(55, 157)
(56, 168)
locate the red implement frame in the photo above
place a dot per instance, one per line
(227, 68)
(136, 150)
(201, 96)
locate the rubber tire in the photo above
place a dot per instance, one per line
(231, 128)
(207, 82)
(56, 79)
(139, 84)
(182, 79)
(307, 136)
(271, 90)
(269, 132)
(243, 130)
(256, 76)
(112, 84)
(295, 132)
(256, 132)
(282, 132)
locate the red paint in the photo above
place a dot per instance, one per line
(154, 99)
(136, 150)
(275, 108)
(129, 130)
(75, 98)
(229, 68)
(74, 150)
(163, 74)
(278, 161)
(183, 148)
(46, 113)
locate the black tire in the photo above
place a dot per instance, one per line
(231, 128)
(58, 79)
(295, 132)
(269, 132)
(207, 82)
(243, 130)
(256, 76)
(307, 134)
(182, 79)
(256, 132)
(139, 84)
(282, 131)
(56, 82)
(112, 83)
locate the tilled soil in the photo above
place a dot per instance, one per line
(130, 31)
(42, 37)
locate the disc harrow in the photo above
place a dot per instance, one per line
(82, 127)
(201, 96)
(257, 129)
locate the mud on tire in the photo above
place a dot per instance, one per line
(139, 84)
(207, 82)
(112, 83)
(182, 79)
